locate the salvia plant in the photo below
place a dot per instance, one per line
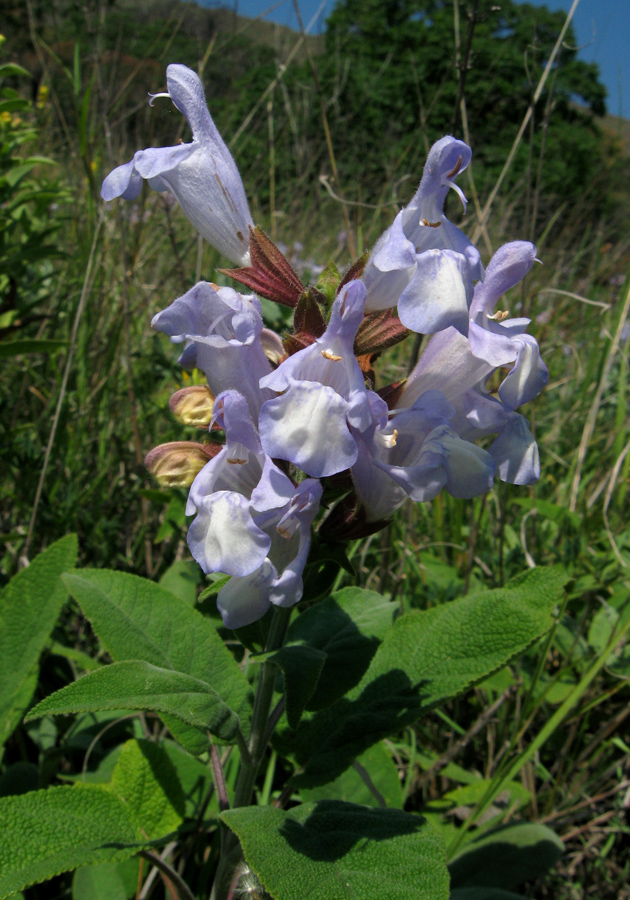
(302, 453)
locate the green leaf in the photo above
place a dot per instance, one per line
(195, 779)
(20, 778)
(136, 619)
(301, 668)
(602, 627)
(139, 685)
(24, 347)
(425, 657)
(372, 780)
(107, 881)
(13, 69)
(506, 857)
(348, 627)
(29, 608)
(145, 779)
(48, 832)
(181, 579)
(329, 281)
(340, 850)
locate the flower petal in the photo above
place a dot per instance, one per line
(307, 425)
(438, 295)
(515, 453)
(529, 375)
(245, 600)
(224, 537)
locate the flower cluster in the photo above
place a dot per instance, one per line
(299, 418)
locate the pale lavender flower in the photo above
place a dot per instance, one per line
(500, 340)
(202, 175)
(251, 521)
(448, 365)
(423, 263)
(322, 394)
(416, 453)
(223, 329)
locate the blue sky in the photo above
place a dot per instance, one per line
(602, 26)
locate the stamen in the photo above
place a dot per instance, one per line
(458, 166)
(430, 224)
(237, 454)
(499, 315)
(390, 440)
(153, 97)
(328, 354)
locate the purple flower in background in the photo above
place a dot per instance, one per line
(223, 329)
(251, 521)
(323, 395)
(202, 175)
(423, 263)
(499, 340)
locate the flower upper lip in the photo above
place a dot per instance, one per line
(202, 174)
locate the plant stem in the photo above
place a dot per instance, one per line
(257, 746)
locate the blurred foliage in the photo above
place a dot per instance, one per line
(394, 71)
(28, 201)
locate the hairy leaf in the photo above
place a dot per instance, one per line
(348, 627)
(145, 779)
(506, 857)
(139, 685)
(48, 832)
(136, 619)
(426, 657)
(333, 850)
(29, 608)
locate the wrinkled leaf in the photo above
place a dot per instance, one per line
(425, 657)
(506, 857)
(348, 627)
(139, 685)
(340, 850)
(146, 781)
(107, 881)
(59, 829)
(29, 608)
(136, 619)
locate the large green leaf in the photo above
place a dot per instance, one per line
(139, 685)
(29, 608)
(137, 619)
(48, 832)
(371, 780)
(301, 667)
(333, 850)
(107, 881)
(348, 627)
(506, 857)
(425, 657)
(195, 778)
(145, 779)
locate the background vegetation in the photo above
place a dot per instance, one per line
(330, 136)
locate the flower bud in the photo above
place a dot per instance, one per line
(177, 464)
(193, 406)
